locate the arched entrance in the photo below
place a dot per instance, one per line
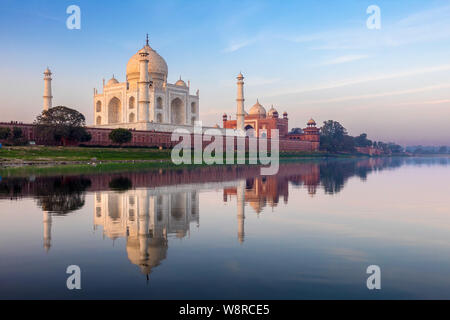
(249, 130)
(177, 111)
(114, 111)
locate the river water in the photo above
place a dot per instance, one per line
(309, 232)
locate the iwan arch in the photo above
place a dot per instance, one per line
(145, 101)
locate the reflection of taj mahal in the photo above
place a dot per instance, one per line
(146, 221)
(148, 217)
(145, 101)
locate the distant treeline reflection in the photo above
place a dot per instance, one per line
(64, 194)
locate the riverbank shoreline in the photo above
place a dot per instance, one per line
(37, 156)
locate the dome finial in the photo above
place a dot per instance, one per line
(146, 42)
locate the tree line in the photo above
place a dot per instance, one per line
(334, 138)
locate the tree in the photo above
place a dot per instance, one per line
(17, 137)
(296, 131)
(4, 133)
(120, 136)
(62, 124)
(394, 148)
(362, 141)
(334, 138)
(443, 149)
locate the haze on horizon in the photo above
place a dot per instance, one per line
(312, 59)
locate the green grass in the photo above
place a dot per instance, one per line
(48, 154)
(79, 169)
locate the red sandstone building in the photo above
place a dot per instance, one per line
(263, 123)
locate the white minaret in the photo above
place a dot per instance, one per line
(240, 114)
(47, 89)
(144, 95)
(240, 195)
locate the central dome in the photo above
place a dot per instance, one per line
(157, 66)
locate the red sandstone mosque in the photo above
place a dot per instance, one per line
(262, 122)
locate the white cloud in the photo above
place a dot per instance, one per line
(237, 45)
(345, 59)
(378, 95)
(424, 26)
(350, 82)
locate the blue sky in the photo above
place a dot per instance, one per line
(309, 58)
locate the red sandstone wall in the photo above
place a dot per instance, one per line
(100, 137)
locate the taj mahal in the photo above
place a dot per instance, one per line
(145, 101)
(153, 109)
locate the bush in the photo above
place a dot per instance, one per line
(120, 136)
(4, 133)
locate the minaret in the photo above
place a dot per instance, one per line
(144, 96)
(240, 196)
(47, 222)
(240, 114)
(47, 89)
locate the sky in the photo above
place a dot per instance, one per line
(309, 58)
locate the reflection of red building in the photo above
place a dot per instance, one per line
(267, 190)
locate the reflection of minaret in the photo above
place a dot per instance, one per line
(241, 210)
(47, 222)
(143, 232)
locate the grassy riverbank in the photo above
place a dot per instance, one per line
(52, 154)
(43, 155)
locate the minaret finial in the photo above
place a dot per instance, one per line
(147, 40)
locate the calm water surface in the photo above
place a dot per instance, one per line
(228, 233)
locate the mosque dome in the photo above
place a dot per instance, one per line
(311, 122)
(272, 112)
(112, 81)
(157, 66)
(180, 83)
(257, 109)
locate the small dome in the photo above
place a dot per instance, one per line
(258, 109)
(240, 76)
(311, 122)
(216, 126)
(180, 83)
(47, 71)
(272, 112)
(112, 81)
